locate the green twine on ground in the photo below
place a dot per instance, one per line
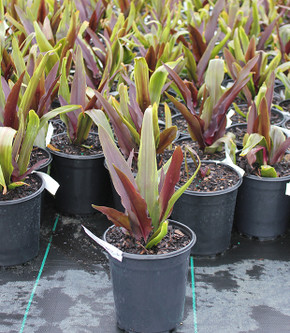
(38, 276)
(193, 295)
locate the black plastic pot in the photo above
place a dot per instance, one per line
(263, 208)
(210, 215)
(19, 229)
(83, 181)
(149, 290)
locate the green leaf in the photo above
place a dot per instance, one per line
(158, 80)
(141, 74)
(6, 168)
(254, 139)
(158, 235)
(147, 178)
(45, 46)
(268, 171)
(32, 129)
(32, 86)
(100, 119)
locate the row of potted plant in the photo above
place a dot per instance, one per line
(117, 71)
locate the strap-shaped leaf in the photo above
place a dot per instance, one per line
(142, 225)
(171, 178)
(264, 122)
(118, 218)
(32, 86)
(32, 129)
(45, 46)
(166, 138)
(78, 89)
(6, 139)
(181, 190)
(147, 178)
(141, 76)
(10, 111)
(122, 132)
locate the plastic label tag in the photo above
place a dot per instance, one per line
(49, 134)
(50, 184)
(229, 116)
(229, 161)
(287, 192)
(111, 249)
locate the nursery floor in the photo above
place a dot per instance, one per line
(67, 287)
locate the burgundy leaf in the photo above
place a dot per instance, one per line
(118, 218)
(123, 134)
(185, 92)
(278, 155)
(166, 138)
(171, 178)
(10, 110)
(211, 25)
(198, 46)
(138, 207)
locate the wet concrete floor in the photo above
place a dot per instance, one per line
(67, 287)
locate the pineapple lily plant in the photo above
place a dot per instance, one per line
(149, 197)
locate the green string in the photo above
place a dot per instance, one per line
(38, 276)
(193, 295)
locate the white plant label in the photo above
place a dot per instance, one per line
(229, 116)
(111, 249)
(49, 134)
(229, 161)
(287, 192)
(50, 184)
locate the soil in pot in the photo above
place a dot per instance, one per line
(276, 116)
(39, 154)
(187, 141)
(173, 241)
(208, 205)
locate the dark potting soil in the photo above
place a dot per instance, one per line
(239, 132)
(276, 117)
(173, 241)
(220, 177)
(32, 184)
(91, 146)
(282, 168)
(217, 156)
(287, 124)
(37, 155)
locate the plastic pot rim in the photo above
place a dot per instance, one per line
(219, 192)
(150, 257)
(23, 199)
(71, 156)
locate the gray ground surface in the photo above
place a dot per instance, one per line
(245, 290)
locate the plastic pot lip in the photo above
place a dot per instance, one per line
(49, 158)
(152, 257)
(268, 179)
(215, 193)
(73, 157)
(27, 198)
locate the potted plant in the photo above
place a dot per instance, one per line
(149, 283)
(263, 208)
(208, 205)
(78, 160)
